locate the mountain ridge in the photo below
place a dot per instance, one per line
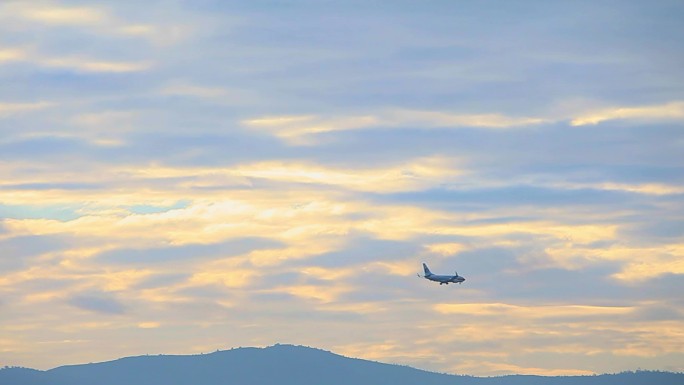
(287, 365)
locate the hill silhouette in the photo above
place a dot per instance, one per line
(287, 365)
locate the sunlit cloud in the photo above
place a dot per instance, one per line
(13, 108)
(122, 279)
(387, 350)
(90, 65)
(93, 19)
(81, 63)
(446, 248)
(395, 267)
(218, 94)
(59, 15)
(639, 188)
(327, 274)
(669, 111)
(581, 234)
(103, 128)
(652, 263)
(231, 277)
(299, 128)
(356, 308)
(418, 118)
(149, 325)
(419, 173)
(530, 311)
(410, 175)
(297, 249)
(654, 340)
(9, 55)
(323, 294)
(478, 367)
(640, 263)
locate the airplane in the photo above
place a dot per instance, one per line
(442, 279)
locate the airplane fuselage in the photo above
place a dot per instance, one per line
(445, 279)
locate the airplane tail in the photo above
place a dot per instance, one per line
(427, 270)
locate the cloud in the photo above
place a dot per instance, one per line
(162, 280)
(217, 94)
(137, 36)
(14, 108)
(500, 369)
(19, 250)
(49, 186)
(10, 55)
(188, 252)
(658, 312)
(91, 65)
(60, 15)
(413, 174)
(100, 303)
(419, 118)
(94, 19)
(363, 251)
(79, 63)
(149, 325)
(409, 175)
(319, 293)
(662, 112)
(299, 128)
(641, 188)
(474, 199)
(483, 309)
(667, 260)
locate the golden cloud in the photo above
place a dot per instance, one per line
(669, 111)
(298, 129)
(484, 309)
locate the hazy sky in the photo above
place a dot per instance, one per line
(190, 175)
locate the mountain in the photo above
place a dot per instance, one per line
(287, 365)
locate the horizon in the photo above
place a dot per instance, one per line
(180, 176)
(288, 345)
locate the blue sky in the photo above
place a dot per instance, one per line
(185, 176)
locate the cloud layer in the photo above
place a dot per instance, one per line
(191, 176)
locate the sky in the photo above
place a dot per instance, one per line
(182, 176)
